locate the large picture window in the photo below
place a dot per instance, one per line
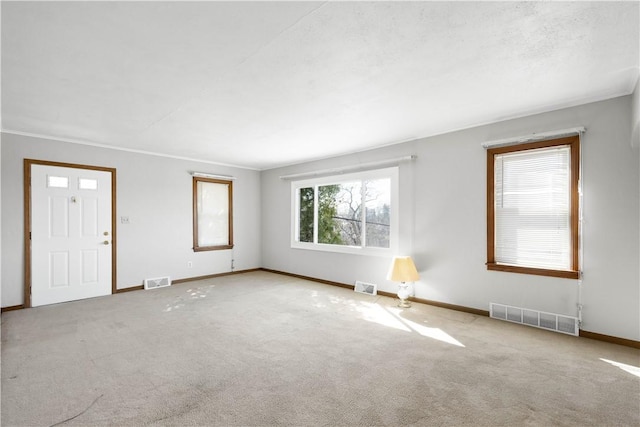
(212, 214)
(533, 208)
(347, 213)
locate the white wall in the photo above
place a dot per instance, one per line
(635, 114)
(154, 192)
(443, 222)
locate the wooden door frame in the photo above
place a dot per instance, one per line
(27, 219)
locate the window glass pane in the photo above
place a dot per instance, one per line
(57, 181)
(306, 215)
(532, 208)
(213, 214)
(88, 184)
(328, 229)
(340, 214)
(377, 196)
(348, 213)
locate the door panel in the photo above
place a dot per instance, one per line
(89, 217)
(89, 267)
(58, 217)
(71, 221)
(59, 265)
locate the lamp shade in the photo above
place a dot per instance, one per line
(403, 270)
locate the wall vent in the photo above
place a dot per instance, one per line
(539, 319)
(366, 288)
(159, 282)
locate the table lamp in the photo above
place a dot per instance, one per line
(403, 270)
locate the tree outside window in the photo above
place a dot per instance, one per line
(353, 213)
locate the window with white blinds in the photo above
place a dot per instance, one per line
(212, 214)
(533, 212)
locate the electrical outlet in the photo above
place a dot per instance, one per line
(189, 264)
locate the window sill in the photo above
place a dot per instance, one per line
(565, 274)
(212, 248)
(381, 252)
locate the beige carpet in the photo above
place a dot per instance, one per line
(260, 349)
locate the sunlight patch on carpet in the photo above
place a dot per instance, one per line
(390, 317)
(633, 370)
(425, 331)
(376, 314)
(192, 294)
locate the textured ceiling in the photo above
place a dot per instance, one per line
(265, 84)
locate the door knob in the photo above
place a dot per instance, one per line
(106, 242)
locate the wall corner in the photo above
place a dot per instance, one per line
(635, 115)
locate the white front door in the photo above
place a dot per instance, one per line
(71, 234)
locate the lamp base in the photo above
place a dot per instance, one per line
(404, 303)
(403, 294)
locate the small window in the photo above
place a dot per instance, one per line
(57, 181)
(532, 208)
(212, 214)
(347, 213)
(88, 184)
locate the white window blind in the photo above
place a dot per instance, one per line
(213, 219)
(533, 208)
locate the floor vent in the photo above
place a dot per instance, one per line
(539, 319)
(366, 288)
(159, 282)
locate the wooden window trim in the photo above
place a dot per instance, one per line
(196, 246)
(574, 143)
